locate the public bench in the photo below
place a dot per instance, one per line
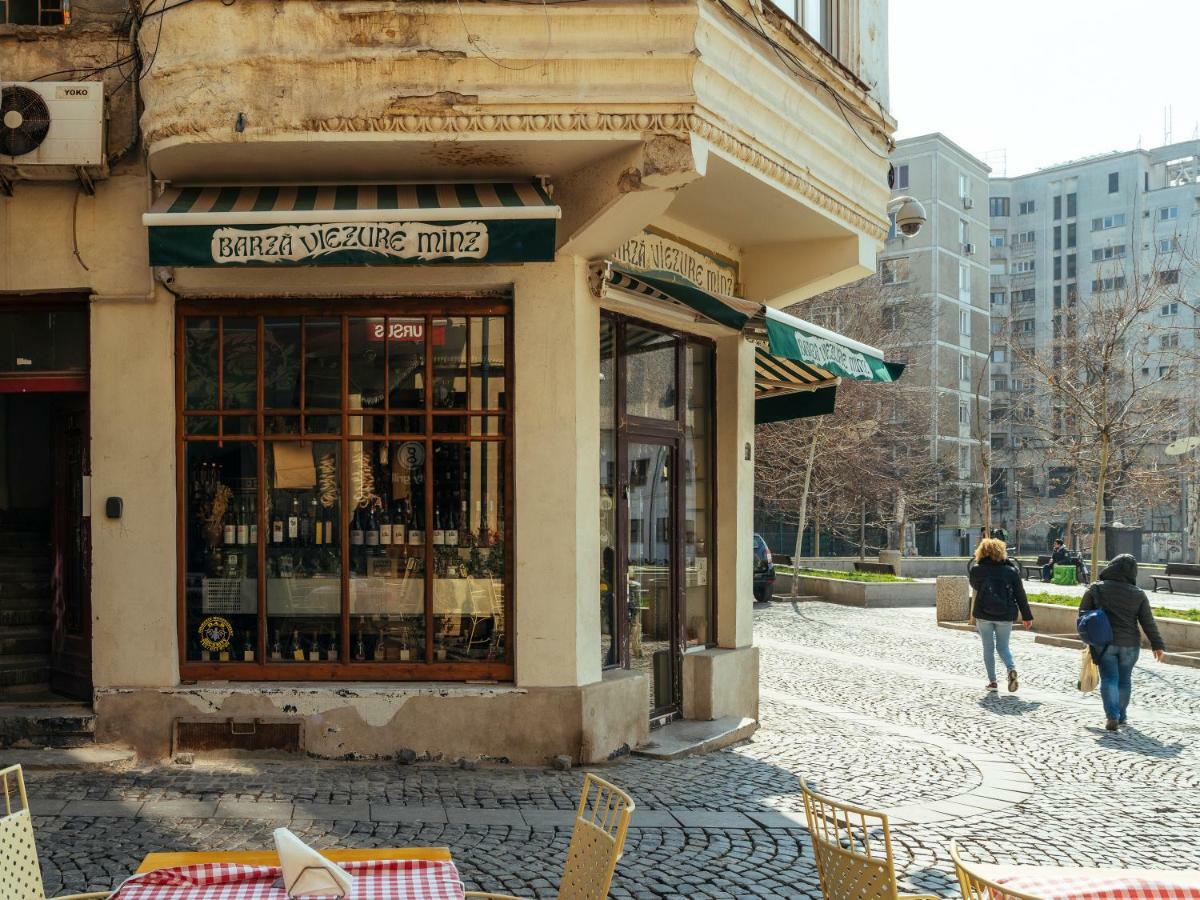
(1028, 572)
(875, 568)
(1185, 571)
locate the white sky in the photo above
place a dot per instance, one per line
(1045, 80)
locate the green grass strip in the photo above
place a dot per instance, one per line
(1188, 615)
(844, 576)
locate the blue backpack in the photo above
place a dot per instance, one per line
(1093, 626)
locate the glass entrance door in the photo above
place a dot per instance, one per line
(651, 571)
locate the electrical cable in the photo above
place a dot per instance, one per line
(474, 42)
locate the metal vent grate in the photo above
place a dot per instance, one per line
(234, 734)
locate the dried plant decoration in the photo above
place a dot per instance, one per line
(215, 521)
(327, 480)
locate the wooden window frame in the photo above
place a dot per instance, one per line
(345, 669)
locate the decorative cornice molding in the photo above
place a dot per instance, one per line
(678, 122)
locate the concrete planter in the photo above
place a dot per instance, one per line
(873, 594)
(1179, 635)
(953, 598)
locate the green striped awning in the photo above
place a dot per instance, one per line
(791, 356)
(352, 224)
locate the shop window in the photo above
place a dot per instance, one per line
(698, 439)
(346, 500)
(35, 12)
(53, 341)
(609, 625)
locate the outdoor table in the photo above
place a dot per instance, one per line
(1071, 883)
(411, 873)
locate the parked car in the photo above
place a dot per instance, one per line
(764, 570)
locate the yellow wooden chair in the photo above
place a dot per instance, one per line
(20, 874)
(975, 887)
(596, 841)
(853, 850)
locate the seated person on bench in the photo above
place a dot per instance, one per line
(1058, 557)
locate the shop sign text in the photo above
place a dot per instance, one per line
(650, 252)
(418, 241)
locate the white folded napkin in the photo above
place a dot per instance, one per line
(306, 873)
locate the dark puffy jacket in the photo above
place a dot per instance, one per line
(999, 591)
(1125, 603)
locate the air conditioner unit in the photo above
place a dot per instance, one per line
(968, 249)
(967, 202)
(51, 129)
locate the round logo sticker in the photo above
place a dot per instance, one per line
(215, 633)
(410, 455)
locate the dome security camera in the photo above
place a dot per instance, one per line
(910, 215)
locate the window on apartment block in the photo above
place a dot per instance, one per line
(996, 240)
(1108, 284)
(35, 12)
(1057, 204)
(1057, 291)
(1103, 223)
(814, 16)
(1072, 265)
(964, 462)
(1168, 341)
(1057, 238)
(1022, 266)
(964, 231)
(1114, 182)
(998, 297)
(895, 270)
(1025, 326)
(1169, 309)
(891, 317)
(1070, 206)
(1114, 251)
(998, 206)
(999, 354)
(1057, 268)
(1071, 236)
(346, 503)
(964, 368)
(1168, 213)
(1025, 207)
(964, 283)
(998, 267)
(964, 412)
(1027, 295)
(900, 177)
(1168, 276)
(1168, 245)
(998, 440)
(964, 321)
(964, 186)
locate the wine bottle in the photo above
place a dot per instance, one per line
(331, 645)
(318, 518)
(229, 532)
(360, 652)
(356, 529)
(464, 526)
(451, 529)
(385, 527)
(277, 526)
(248, 647)
(276, 647)
(331, 525)
(253, 523)
(308, 518)
(297, 648)
(314, 649)
(416, 536)
(439, 533)
(243, 524)
(372, 529)
(400, 524)
(293, 522)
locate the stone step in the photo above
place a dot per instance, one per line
(67, 724)
(31, 668)
(79, 758)
(23, 640)
(687, 737)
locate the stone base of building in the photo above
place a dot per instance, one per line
(526, 726)
(719, 683)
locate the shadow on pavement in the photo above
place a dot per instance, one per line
(1131, 740)
(1008, 705)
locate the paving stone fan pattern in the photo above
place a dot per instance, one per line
(879, 707)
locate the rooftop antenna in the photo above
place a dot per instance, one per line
(1166, 125)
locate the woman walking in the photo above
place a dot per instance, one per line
(999, 595)
(1127, 608)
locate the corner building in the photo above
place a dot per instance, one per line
(417, 357)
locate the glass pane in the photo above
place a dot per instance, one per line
(387, 552)
(200, 363)
(697, 487)
(304, 560)
(407, 424)
(487, 425)
(609, 630)
(281, 424)
(449, 340)
(240, 425)
(241, 362)
(366, 366)
(651, 649)
(200, 425)
(323, 424)
(650, 373)
(323, 363)
(45, 341)
(221, 537)
(449, 424)
(487, 363)
(366, 424)
(281, 363)
(468, 551)
(406, 363)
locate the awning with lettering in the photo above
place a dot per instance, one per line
(791, 356)
(352, 224)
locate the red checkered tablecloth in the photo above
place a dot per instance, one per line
(1116, 885)
(394, 879)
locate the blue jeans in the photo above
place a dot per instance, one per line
(1116, 679)
(995, 638)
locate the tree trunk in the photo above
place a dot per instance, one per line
(862, 532)
(808, 467)
(817, 530)
(1098, 511)
(901, 519)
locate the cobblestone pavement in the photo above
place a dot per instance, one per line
(877, 706)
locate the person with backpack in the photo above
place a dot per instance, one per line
(1113, 634)
(999, 596)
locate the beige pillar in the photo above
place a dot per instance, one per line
(735, 491)
(557, 445)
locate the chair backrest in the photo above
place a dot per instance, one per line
(975, 887)
(596, 842)
(852, 847)
(20, 874)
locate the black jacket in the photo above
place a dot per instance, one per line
(1125, 603)
(999, 591)
(1059, 556)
